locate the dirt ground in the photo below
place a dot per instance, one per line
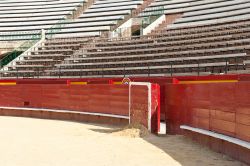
(36, 142)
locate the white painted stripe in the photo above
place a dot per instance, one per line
(236, 141)
(67, 111)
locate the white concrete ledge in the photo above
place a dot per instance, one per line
(236, 141)
(67, 111)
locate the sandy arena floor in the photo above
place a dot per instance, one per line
(36, 142)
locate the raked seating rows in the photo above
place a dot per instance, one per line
(29, 17)
(99, 17)
(200, 12)
(221, 48)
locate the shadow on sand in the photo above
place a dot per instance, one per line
(183, 150)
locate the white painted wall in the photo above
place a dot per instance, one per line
(154, 24)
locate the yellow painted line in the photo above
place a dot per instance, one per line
(7, 83)
(78, 83)
(117, 83)
(207, 81)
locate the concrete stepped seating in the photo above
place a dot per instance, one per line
(34, 16)
(216, 49)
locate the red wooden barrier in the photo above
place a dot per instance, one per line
(110, 99)
(159, 80)
(93, 98)
(219, 107)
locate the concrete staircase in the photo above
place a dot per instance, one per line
(169, 19)
(145, 4)
(134, 13)
(80, 9)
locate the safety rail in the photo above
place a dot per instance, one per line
(29, 35)
(159, 10)
(57, 27)
(59, 72)
(166, 32)
(16, 52)
(23, 35)
(11, 61)
(97, 39)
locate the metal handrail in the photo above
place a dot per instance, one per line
(23, 35)
(17, 51)
(59, 73)
(57, 27)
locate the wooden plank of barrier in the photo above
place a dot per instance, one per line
(66, 111)
(236, 141)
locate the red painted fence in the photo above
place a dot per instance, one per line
(219, 107)
(110, 99)
(93, 98)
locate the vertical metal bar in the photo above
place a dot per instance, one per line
(102, 73)
(124, 74)
(148, 71)
(59, 71)
(199, 67)
(16, 73)
(171, 69)
(226, 68)
(38, 73)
